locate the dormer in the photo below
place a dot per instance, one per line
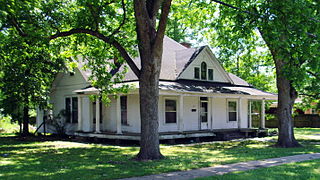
(204, 66)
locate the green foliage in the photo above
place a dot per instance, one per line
(38, 20)
(7, 126)
(27, 71)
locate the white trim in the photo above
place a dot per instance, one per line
(79, 113)
(164, 110)
(237, 110)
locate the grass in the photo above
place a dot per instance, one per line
(29, 159)
(308, 170)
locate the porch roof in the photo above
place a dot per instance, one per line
(196, 87)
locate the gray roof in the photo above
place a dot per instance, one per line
(196, 87)
(175, 60)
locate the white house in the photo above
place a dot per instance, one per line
(197, 98)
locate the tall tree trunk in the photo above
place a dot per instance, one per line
(150, 41)
(286, 97)
(25, 121)
(149, 97)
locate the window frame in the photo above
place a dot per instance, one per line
(209, 74)
(203, 70)
(194, 72)
(164, 107)
(237, 110)
(71, 110)
(122, 122)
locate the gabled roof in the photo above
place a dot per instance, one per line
(175, 59)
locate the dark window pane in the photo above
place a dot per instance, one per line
(68, 110)
(204, 117)
(232, 116)
(101, 113)
(210, 74)
(171, 105)
(74, 110)
(94, 112)
(203, 70)
(123, 104)
(203, 98)
(196, 73)
(171, 117)
(232, 106)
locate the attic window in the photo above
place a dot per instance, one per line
(210, 74)
(203, 71)
(71, 73)
(197, 73)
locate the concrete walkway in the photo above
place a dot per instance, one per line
(223, 169)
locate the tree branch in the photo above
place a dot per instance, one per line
(163, 22)
(233, 7)
(317, 76)
(106, 39)
(123, 20)
(16, 25)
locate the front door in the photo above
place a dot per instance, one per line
(204, 113)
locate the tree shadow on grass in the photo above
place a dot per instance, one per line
(35, 160)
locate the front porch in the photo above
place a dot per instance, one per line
(245, 132)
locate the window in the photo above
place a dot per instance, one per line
(71, 105)
(123, 104)
(203, 71)
(94, 106)
(232, 110)
(204, 111)
(210, 74)
(171, 111)
(197, 73)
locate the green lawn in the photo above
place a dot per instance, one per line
(70, 160)
(307, 170)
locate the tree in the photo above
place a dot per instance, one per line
(27, 71)
(108, 22)
(290, 30)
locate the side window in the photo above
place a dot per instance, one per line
(71, 107)
(232, 111)
(68, 109)
(210, 74)
(197, 73)
(170, 111)
(124, 106)
(203, 71)
(74, 110)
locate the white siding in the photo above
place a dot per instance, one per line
(244, 114)
(63, 87)
(191, 119)
(204, 56)
(133, 114)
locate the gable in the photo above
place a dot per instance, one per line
(66, 80)
(205, 56)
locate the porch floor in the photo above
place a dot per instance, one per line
(167, 135)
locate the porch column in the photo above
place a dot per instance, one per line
(250, 115)
(98, 115)
(263, 120)
(180, 125)
(79, 113)
(118, 115)
(239, 112)
(39, 119)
